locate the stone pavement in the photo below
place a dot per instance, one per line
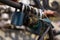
(16, 35)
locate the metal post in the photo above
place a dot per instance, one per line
(51, 35)
(11, 3)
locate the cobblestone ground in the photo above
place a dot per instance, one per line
(16, 35)
(19, 35)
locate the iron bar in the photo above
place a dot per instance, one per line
(11, 3)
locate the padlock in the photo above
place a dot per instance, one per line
(15, 0)
(18, 17)
(39, 26)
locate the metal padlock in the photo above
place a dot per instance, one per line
(17, 18)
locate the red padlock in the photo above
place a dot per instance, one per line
(15, 0)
